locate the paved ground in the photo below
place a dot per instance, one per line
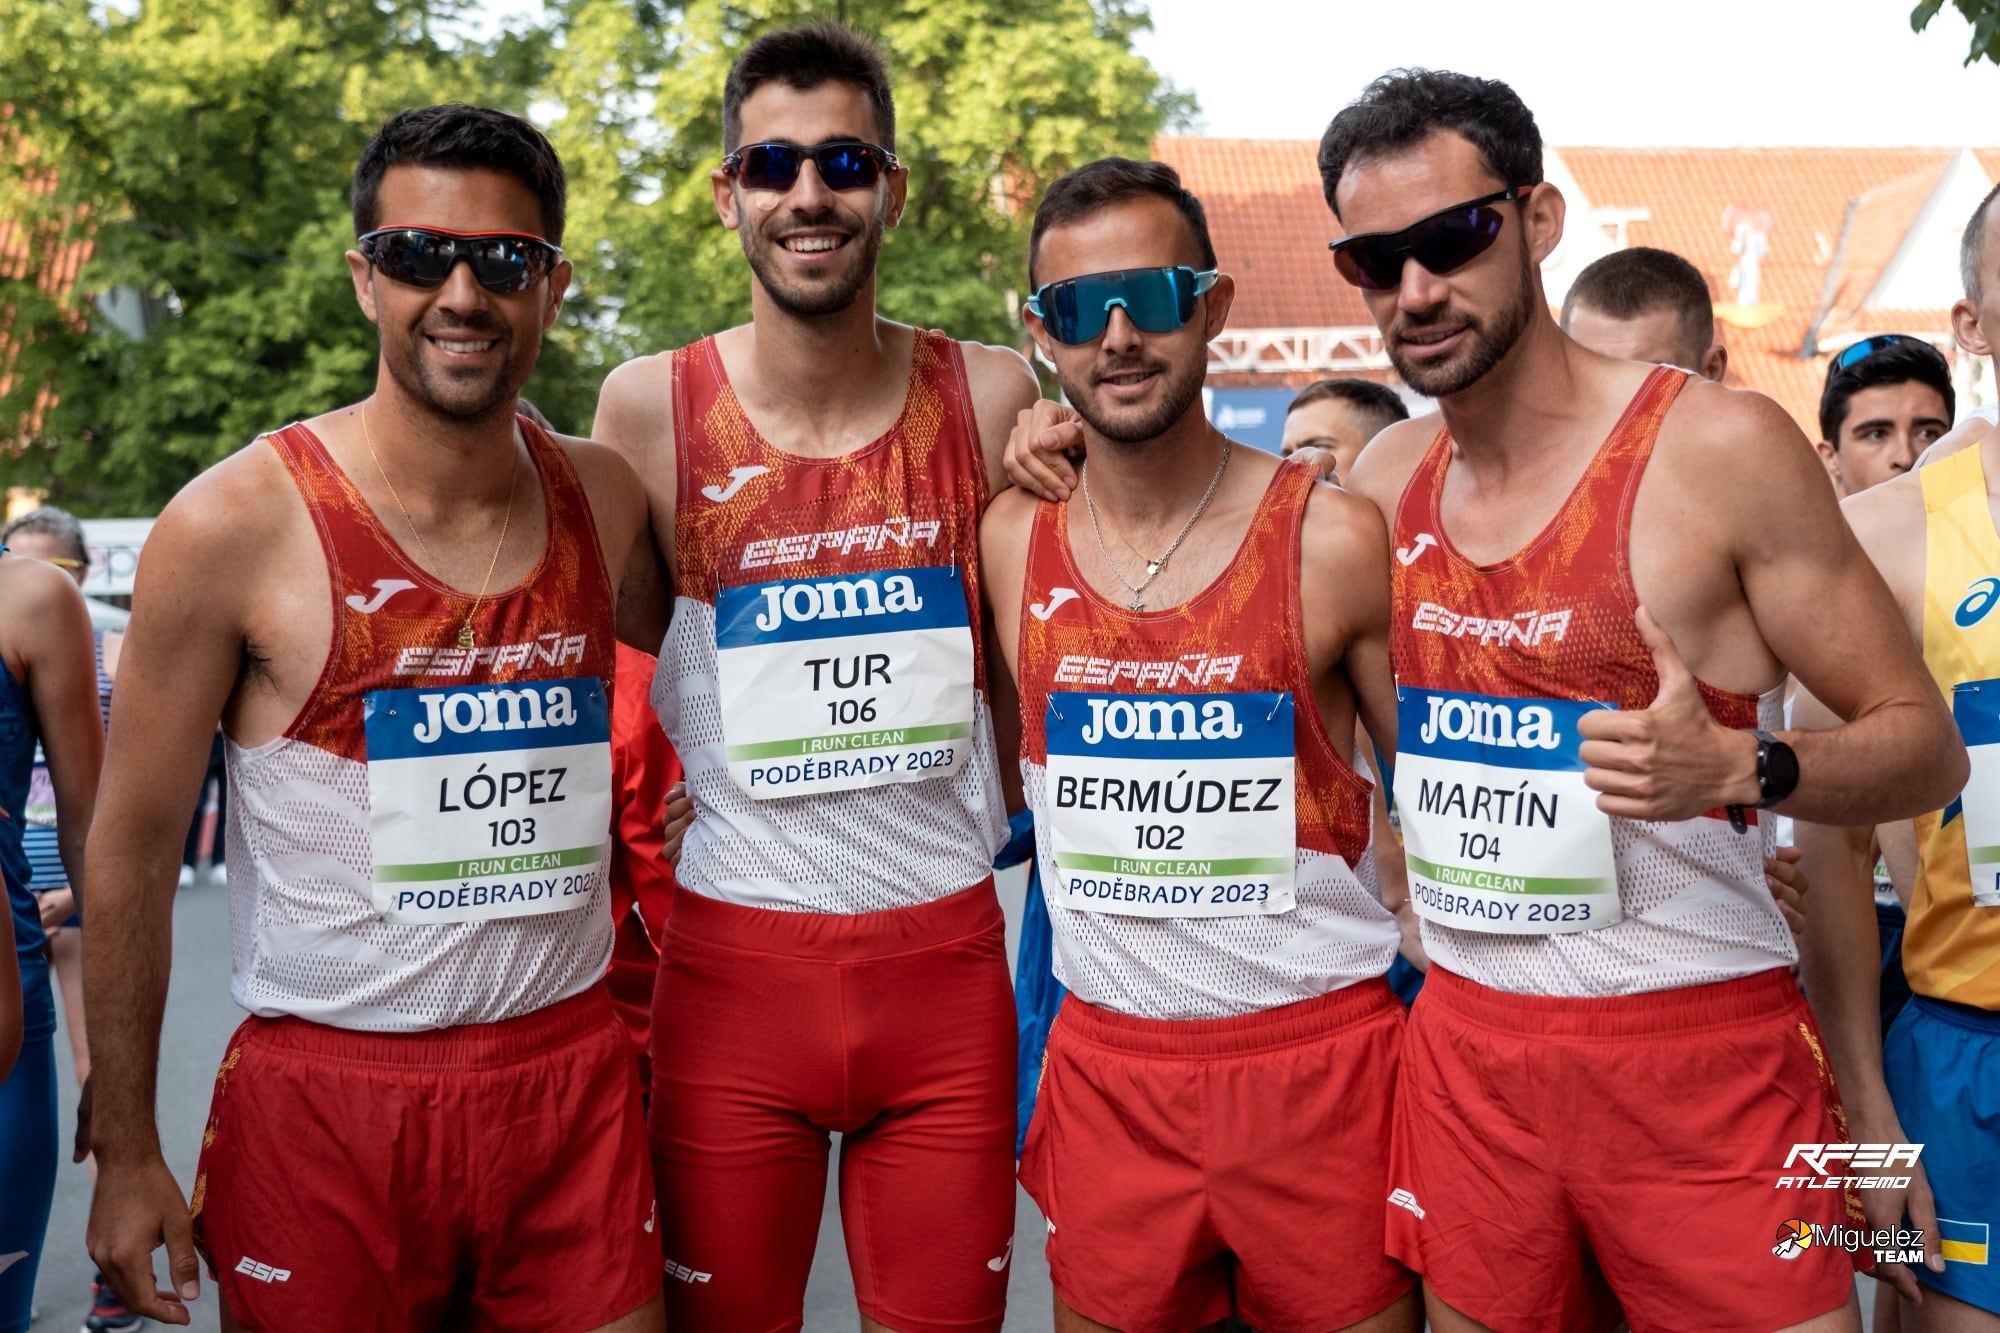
(200, 1017)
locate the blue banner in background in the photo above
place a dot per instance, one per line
(1252, 416)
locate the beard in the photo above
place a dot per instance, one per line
(466, 394)
(1487, 342)
(1180, 389)
(829, 295)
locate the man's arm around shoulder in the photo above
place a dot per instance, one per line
(1003, 386)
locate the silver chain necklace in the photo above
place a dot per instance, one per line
(1154, 568)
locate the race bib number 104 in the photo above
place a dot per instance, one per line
(488, 801)
(855, 680)
(1499, 830)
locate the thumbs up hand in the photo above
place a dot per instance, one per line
(1672, 760)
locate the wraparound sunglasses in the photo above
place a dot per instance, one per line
(1448, 239)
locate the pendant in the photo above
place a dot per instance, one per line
(465, 635)
(1138, 603)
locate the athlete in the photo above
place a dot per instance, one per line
(1649, 305)
(402, 613)
(1936, 1080)
(1588, 635)
(835, 959)
(48, 697)
(1214, 1118)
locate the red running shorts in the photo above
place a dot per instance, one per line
(1557, 1159)
(772, 1030)
(1177, 1162)
(494, 1175)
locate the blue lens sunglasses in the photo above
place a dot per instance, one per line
(1157, 300)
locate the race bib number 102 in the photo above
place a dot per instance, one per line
(854, 680)
(1500, 832)
(488, 801)
(1172, 804)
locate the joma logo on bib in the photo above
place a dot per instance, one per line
(494, 710)
(1160, 720)
(1529, 727)
(837, 599)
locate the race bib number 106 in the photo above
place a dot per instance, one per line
(856, 680)
(488, 801)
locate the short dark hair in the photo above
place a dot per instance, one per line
(1406, 106)
(1379, 404)
(1626, 284)
(1899, 362)
(49, 521)
(1098, 185)
(1972, 247)
(803, 58)
(461, 138)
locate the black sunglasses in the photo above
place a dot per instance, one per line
(844, 164)
(1446, 240)
(502, 261)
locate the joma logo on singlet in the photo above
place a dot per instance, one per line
(1529, 727)
(524, 709)
(1526, 629)
(1160, 720)
(904, 532)
(838, 599)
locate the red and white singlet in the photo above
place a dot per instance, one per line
(822, 678)
(1204, 846)
(424, 845)
(1493, 664)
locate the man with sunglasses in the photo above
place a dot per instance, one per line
(1935, 1078)
(1589, 619)
(835, 958)
(403, 613)
(1212, 1129)
(1887, 399)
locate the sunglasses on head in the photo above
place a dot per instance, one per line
(1157, 300)
(1881, 342)
(845, 164)
(502, 261)
(1449, 239)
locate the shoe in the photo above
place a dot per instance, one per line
(187, 877)
(107, 1311)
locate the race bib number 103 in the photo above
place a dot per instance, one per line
(488, 801)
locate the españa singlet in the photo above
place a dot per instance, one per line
(424, 845)
(1205, 848)
(822, 678)
(1951, 947)
(1523, 885)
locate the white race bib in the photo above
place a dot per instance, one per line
(1499, 830)
(852, 680)
(1172, 804)
(1976, 706)
(488, 801)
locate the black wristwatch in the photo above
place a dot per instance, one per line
(1777, 770)
(1777, 777)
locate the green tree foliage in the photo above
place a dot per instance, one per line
(1983, 15)
(204, 147)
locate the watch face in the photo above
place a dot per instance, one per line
(1781, 771)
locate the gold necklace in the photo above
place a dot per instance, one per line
(465, 638)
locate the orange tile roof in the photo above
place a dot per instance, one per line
(38, 251)
(1271, 225)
